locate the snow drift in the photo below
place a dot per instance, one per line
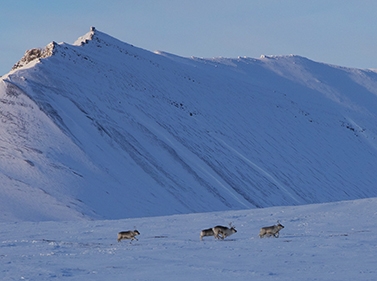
(103, 129)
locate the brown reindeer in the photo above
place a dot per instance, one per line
(206, 232)
(128, 235)
(221, 232)
(271, 230)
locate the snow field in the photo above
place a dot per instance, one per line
(335, 241)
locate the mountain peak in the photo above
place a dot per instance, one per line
(93, 37)
(35, 54)
(87, 37)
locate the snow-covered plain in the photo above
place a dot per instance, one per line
(332, 241)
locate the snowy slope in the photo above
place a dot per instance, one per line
(103, 129)
(334, 241)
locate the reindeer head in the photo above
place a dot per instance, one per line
(136, 231)
(232, 227)
(280, 225)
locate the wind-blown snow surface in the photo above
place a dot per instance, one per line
(102, 129)
(334, 241)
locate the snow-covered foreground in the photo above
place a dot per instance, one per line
(335, 241)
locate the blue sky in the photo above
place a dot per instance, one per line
(341, 32)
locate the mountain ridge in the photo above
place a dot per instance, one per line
(117, 131)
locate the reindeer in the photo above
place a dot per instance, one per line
(206, 232)
(128, 235)
(271, 230)
(221, 232)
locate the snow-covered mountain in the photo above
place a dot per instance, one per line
(103, 129)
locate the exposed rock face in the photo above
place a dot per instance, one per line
(34, 54)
